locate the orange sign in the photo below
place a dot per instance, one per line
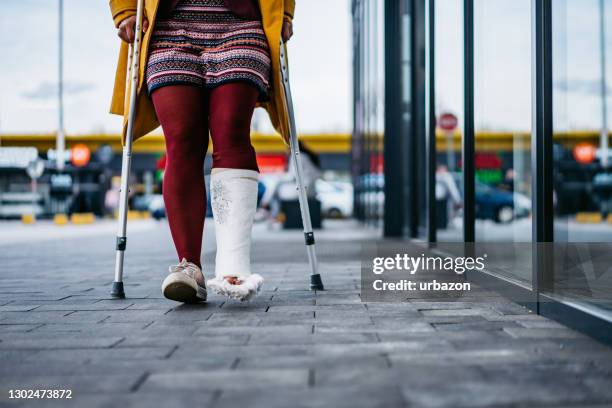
(585, 153)
(80, 155)
(271, 163)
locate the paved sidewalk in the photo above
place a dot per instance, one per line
(288, 348)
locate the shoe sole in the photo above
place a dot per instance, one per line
(181, 291)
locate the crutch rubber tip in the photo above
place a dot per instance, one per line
(315, 282)
(118, 292)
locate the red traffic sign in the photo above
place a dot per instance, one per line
(448, 122)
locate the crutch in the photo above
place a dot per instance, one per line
(134, 65)
(315, 278)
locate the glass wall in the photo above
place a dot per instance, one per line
(502, 106)
(582, 177)
(521, 169)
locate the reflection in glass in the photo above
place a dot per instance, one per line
(503, 125)
(449, 107)
(582, 174)
(367, 138)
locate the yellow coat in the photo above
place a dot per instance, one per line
(274, 13)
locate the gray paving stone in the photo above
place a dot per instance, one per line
(470, 393)
(18, 308)
(314, 338)
(203, 362)
(539, 324)
(475, 325)
(57, 342)
(279, 331)
(340, 376)
(30, 317)
(290, 347)
(132, 399)
(112, 382)
(187, 351)
(80, 356)
(83, 307)
(17, 327)
(228, 379)
(361, 396)
(553, 332)
(481, 312)
(380, 328)
(91, 329)
(469, 357)
(172, 339)
(314, 362)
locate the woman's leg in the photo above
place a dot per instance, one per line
(231, 111)
(182, 111)
(234, 180)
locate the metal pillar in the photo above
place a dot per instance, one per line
(468, 142)
(542, 147)
(431, 122)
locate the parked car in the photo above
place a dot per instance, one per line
(157, 207)
(498, 205)
(154, 203)
(141, 202)
(336, 198)
(491, 203)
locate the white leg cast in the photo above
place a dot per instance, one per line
(234, 203)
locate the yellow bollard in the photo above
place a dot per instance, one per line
(28, 218)
(82, 218)
(589, 218)
(133, 215)
(60, 219)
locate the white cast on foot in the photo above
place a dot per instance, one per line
(234, 203)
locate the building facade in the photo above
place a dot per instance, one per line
(484, 122)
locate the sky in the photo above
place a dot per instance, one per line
(321, 65)
(502, 32)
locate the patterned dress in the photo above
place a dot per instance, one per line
(202, 43)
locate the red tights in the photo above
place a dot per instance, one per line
(187, 114)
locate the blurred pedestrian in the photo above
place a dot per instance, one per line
(448, 197)
(111, 197)
(205, 66)
(509, 180)
(284, 189)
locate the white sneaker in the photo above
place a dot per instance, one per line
(185, 283)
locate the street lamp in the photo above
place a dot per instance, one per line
(60, 142)
(604, 90)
